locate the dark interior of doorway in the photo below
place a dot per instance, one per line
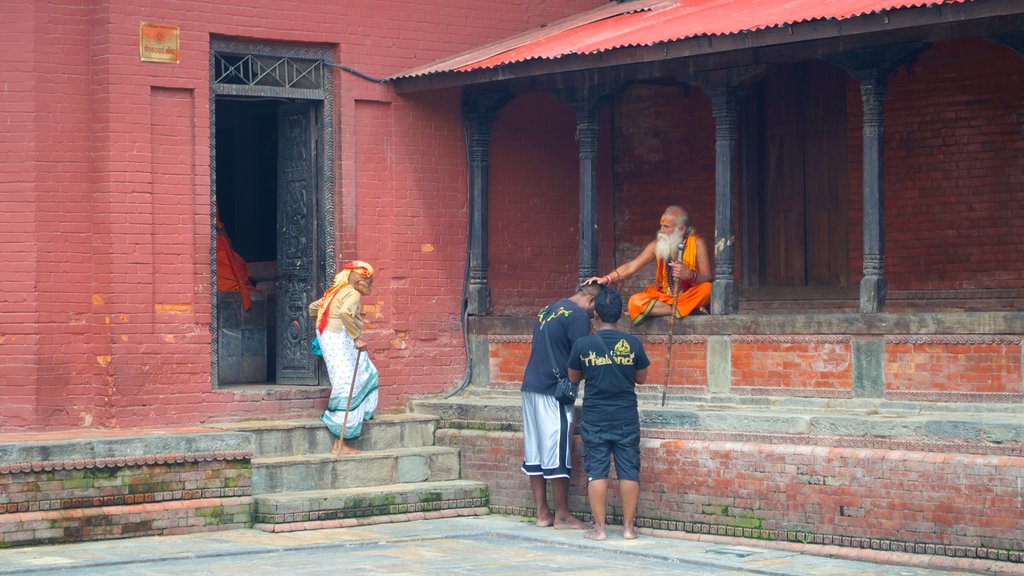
(246, 190)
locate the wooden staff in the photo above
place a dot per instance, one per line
(672, 316)
(351, 389)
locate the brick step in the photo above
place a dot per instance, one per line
(867, 418)
(310, 436)
(370, 468)
(311, 509)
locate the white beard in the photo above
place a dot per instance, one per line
(668, 245)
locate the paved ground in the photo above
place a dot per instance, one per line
(489, 545)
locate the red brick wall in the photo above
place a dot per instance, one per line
(664, 155)
(952, 367)
(105, 209)
(922, 368)
(823, 495)
(801, 366)
(687, 367)
(74, 501)
(953, 171)
(534, 203)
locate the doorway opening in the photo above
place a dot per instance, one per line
(272, 212)
(246, 152)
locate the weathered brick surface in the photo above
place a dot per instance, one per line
(75, 501)
(954, 184)
(803, 366)
(953, 365)
(947, 368)
(892, 499)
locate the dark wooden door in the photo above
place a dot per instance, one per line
(296, 243)
(803, 239)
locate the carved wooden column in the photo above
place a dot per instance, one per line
(587, 126)
(873, 85)
(478, 115)
(586, 101)
(872, 68)
(724, 296)
(722, 87)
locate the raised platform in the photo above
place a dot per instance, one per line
(929, 478)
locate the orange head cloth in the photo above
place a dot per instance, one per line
(340, 281)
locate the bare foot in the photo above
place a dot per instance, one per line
(545, 522)
(629, 535)
(570, 522)
(595, 535)
(342, 448)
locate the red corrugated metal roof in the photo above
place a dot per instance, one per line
(649, 22)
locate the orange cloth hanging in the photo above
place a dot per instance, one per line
(232, 272)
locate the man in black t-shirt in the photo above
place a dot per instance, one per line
(547, 424)
(612, 363)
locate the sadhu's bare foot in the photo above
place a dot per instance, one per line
(595, 535)
(570, 522)
(545, 521)
(630, 534)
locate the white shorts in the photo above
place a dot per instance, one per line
(547, 441)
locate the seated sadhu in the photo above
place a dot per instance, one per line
(682, 259)
(232, 271)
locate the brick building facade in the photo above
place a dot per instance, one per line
(316, 138)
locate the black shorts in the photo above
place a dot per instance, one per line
(603, 441)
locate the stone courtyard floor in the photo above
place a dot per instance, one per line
(489, 545)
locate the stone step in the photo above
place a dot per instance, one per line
(869, 418)
(369, 468)
(272, 510)
(310, 436)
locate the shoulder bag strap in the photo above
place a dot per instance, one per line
(551, 355)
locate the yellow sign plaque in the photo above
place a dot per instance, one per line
(158, 43)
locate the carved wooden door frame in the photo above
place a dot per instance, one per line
(296, 73)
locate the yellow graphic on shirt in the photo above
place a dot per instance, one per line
(621, 354)
(560, 312)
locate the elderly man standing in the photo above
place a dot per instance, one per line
(682, 257)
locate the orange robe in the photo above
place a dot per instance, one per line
(232, 273)
(690, 297)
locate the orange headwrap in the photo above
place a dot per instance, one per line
(340, 281)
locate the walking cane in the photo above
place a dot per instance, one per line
(672, 318)
(351, 389)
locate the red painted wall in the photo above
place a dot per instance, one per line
(104, 214)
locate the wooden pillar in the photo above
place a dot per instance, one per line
(872, 67)
(478, 115)
(587, 126)
(586, 100)
(723, 88)
(873, 85)
(724, 296)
